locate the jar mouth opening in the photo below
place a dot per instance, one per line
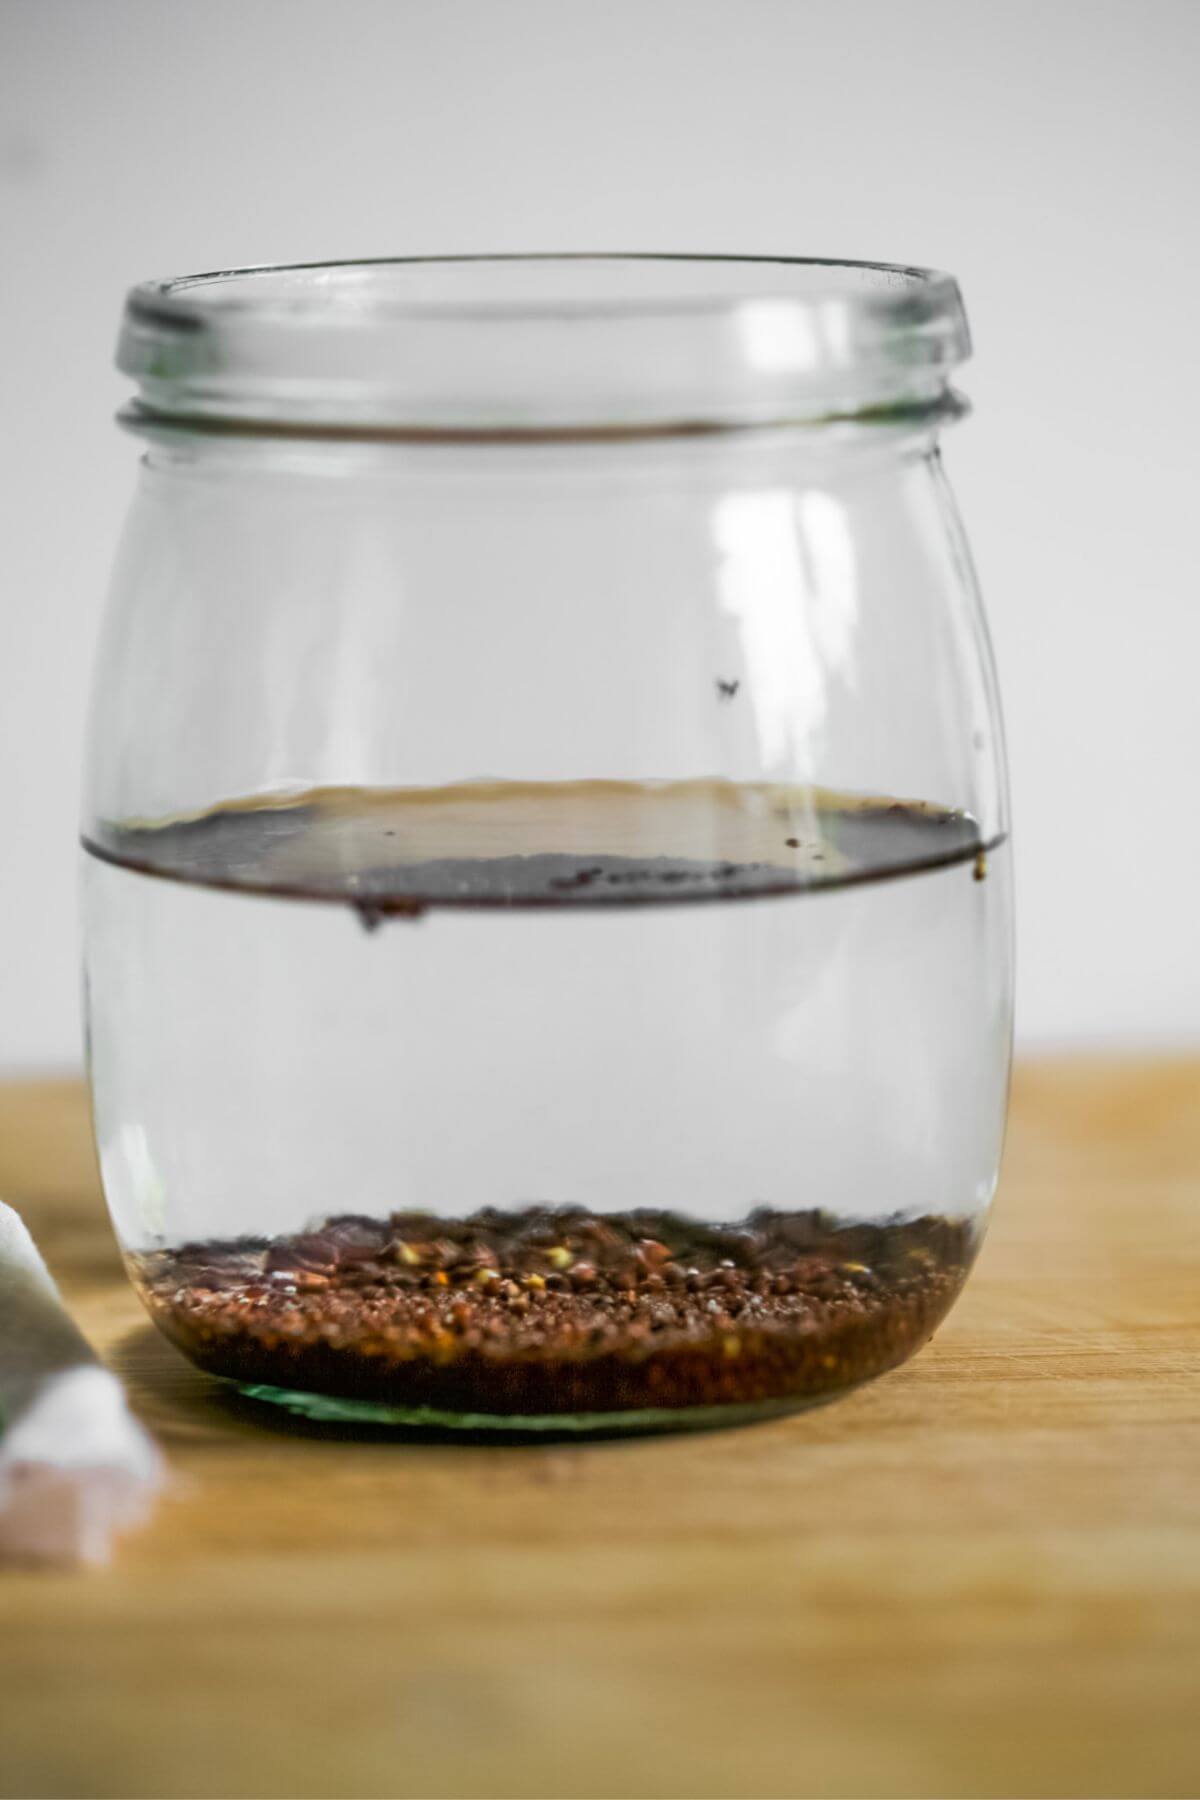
(539, 343)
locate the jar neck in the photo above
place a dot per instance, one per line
(920, 410)
(889, 426)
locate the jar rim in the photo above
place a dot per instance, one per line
(541, 343)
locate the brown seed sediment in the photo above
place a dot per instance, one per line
(654, 1310)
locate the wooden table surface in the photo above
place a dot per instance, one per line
(980, 1576)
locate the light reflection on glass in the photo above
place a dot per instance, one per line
(787, 575)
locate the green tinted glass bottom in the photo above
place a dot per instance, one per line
(328, 1409)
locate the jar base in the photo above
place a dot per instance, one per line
(330, 1409)
(660, 1323)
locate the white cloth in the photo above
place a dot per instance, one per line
(75, 1465)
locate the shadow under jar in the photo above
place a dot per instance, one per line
(547, 895)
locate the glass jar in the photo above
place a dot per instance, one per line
(548, 920)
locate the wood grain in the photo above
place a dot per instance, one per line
(979, 1577)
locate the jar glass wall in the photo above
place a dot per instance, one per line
(548, 918)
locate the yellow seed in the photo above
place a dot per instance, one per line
(408, 1255)
(856, 1269)
(534, 1281)
(560, 1257)
(485, 1277)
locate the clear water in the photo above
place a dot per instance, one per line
(260, 1059)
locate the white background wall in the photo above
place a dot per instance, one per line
(1048, 153)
